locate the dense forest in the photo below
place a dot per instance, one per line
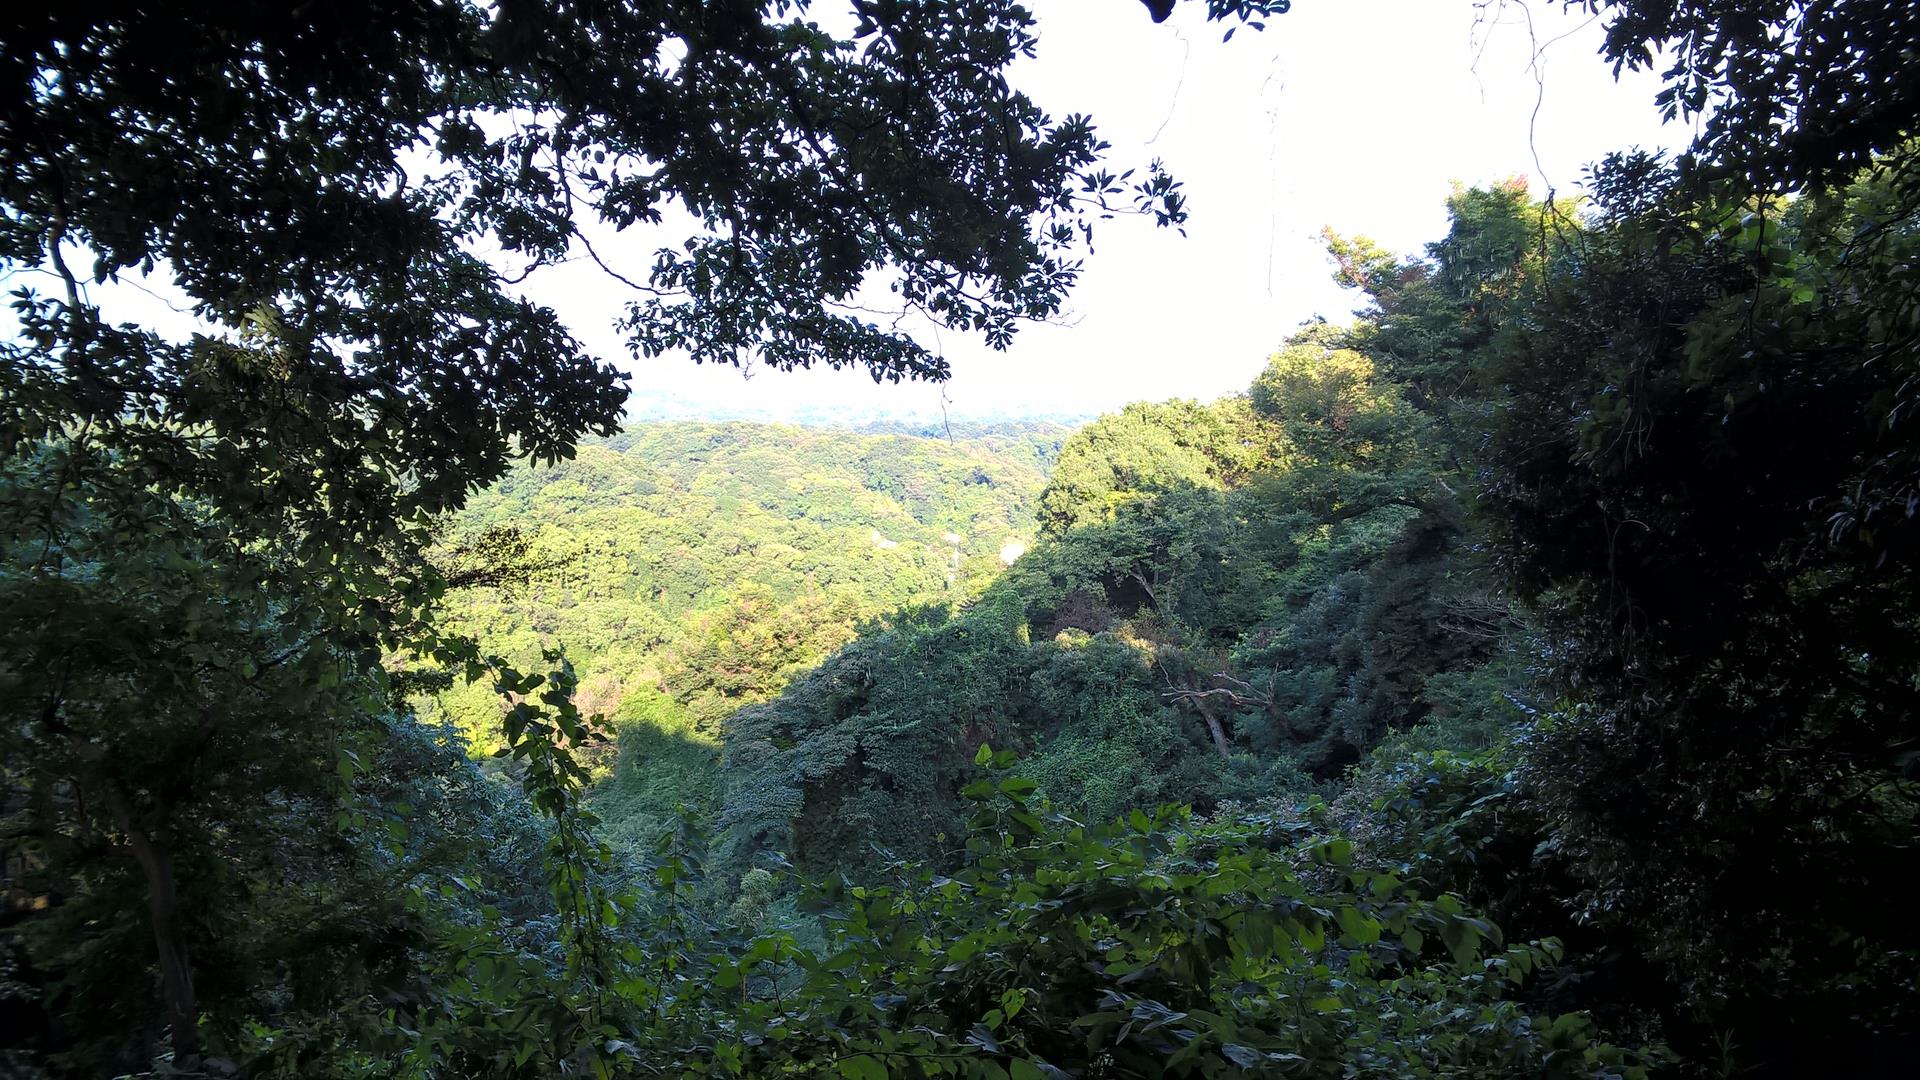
(691, 569)
(1516, 679)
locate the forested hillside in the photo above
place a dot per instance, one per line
(1230, 602)
(690, 569)
(1517, 679)
(1430, 569)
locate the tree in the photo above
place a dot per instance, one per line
(183, 731)
(1429, 319)
(1789, 95)
(338, 167)
(1698, 482)
(209, 538)
(1147, 947)
(1146, 448)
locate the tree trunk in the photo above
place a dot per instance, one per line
(153, 850)
(1218, 732)
(1152, 597)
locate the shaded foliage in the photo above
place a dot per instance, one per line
(1789, 95)
(1696, 481)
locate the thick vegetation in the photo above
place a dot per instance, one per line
(692, 569)
(1515, 681)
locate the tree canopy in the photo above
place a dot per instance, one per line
(1790, 95)
(319, 183)
(1513, 681)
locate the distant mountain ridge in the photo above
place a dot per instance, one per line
(658, 406)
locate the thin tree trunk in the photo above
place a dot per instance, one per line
(153, 850)
(1218, 732)
(1152, 597)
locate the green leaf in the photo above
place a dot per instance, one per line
(862, 1067)
(1358, 925)
(978, 791)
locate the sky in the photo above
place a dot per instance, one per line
(1354, 114)
(1358, 114)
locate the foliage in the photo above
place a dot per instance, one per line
(396, 136)
(160, 691)
(217, 571)
(863, 757)
(1226, 600)
(1150, 947)
(1698, 483)
(1144, 449)
(1675, 392)
(1588, 544)
(665, 765)
(1431, 319)
(1116, 747)
(275, 827)
(1789, 95)
(712, 563)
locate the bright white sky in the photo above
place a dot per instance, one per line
(1352, 113)
(1357, 114)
